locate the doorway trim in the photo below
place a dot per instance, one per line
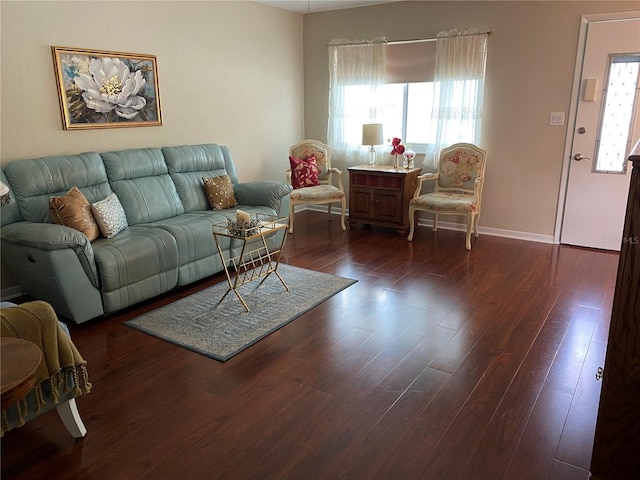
(573, 109)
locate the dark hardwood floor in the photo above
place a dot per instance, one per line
(438, 364)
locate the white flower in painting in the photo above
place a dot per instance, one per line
(111, 86)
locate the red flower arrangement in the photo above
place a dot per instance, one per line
(396, 148)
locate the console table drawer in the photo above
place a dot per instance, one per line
(382, 181)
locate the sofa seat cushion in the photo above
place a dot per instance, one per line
(137, 264)
(230, 213)
(193, 234)
(198, 256)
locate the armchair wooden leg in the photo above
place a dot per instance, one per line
(343, 213)
(475, 224)
(412, 213)
(68, 413)
(435, 222)
(469, 229)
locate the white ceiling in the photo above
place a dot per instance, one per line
(311, 6)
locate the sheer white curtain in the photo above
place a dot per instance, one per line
(456, 115)
(356, 77)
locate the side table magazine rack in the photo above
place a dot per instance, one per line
(259, 254)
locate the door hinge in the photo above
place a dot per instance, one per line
(599, 373)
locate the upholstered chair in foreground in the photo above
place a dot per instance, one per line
(61, 375)
(313, 179)
(458, 188)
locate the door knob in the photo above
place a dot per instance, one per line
(578, 157)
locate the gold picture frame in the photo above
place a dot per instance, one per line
(104, 89)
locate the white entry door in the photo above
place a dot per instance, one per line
(598, 182)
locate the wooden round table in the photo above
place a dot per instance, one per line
(20, 361)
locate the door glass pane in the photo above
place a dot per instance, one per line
(617, 115)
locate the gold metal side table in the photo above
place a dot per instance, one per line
(257, 258)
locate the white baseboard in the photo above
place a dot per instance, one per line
(495, 232)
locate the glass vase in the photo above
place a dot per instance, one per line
(408, 155)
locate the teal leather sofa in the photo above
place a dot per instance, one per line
(169, 240)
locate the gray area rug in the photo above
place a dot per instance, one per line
(220, 330)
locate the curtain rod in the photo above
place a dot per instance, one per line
(409, 40)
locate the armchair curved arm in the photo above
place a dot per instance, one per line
(428, 176)
(337, 172)
(423, 178)
(477, 190)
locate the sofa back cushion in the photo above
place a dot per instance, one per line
(34, 181)
(140, 179)
(190, 163)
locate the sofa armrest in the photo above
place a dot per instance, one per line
(261, 193)
(49, 236)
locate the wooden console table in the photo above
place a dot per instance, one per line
(380, 194)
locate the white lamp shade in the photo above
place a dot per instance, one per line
(372, 134)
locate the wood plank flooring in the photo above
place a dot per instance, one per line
(438, 364)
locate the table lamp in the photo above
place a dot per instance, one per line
(372, 135)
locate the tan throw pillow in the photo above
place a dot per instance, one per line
(219, 192)
(74, 210)
(110, 216)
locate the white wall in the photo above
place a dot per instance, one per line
(229, 72)
(530, 65)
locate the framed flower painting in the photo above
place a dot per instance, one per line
(101, 89)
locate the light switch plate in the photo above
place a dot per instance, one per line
(556, 119)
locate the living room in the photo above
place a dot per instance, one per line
(254, 78)
(272, 63)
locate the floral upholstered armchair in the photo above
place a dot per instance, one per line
(458, 188)
(313, 180)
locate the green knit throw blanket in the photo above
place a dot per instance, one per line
(37, 322)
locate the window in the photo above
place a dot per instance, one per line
(429, 104)
(408, 112)
(616, 125)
